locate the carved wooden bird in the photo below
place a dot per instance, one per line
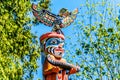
(63, 19)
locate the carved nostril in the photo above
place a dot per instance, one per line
(60, 45)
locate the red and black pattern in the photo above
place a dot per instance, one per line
(63, 65)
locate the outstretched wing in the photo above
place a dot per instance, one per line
(69, 19)
(66, 21)
(45, 16)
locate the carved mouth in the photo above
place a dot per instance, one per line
(59, 51)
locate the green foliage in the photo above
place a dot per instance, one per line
(98, 41)
(45, 4)
(18, 47)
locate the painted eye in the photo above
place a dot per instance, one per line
(53, 42)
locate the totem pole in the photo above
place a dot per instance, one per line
(52, 43)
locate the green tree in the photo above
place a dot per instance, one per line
(98, 41)
(19, 49)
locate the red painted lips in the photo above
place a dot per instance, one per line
(60, 50)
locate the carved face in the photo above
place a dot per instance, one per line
(54, 46)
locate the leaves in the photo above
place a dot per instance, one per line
(110, 30)
(44, 4)
(16, 41)
(99, 41)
